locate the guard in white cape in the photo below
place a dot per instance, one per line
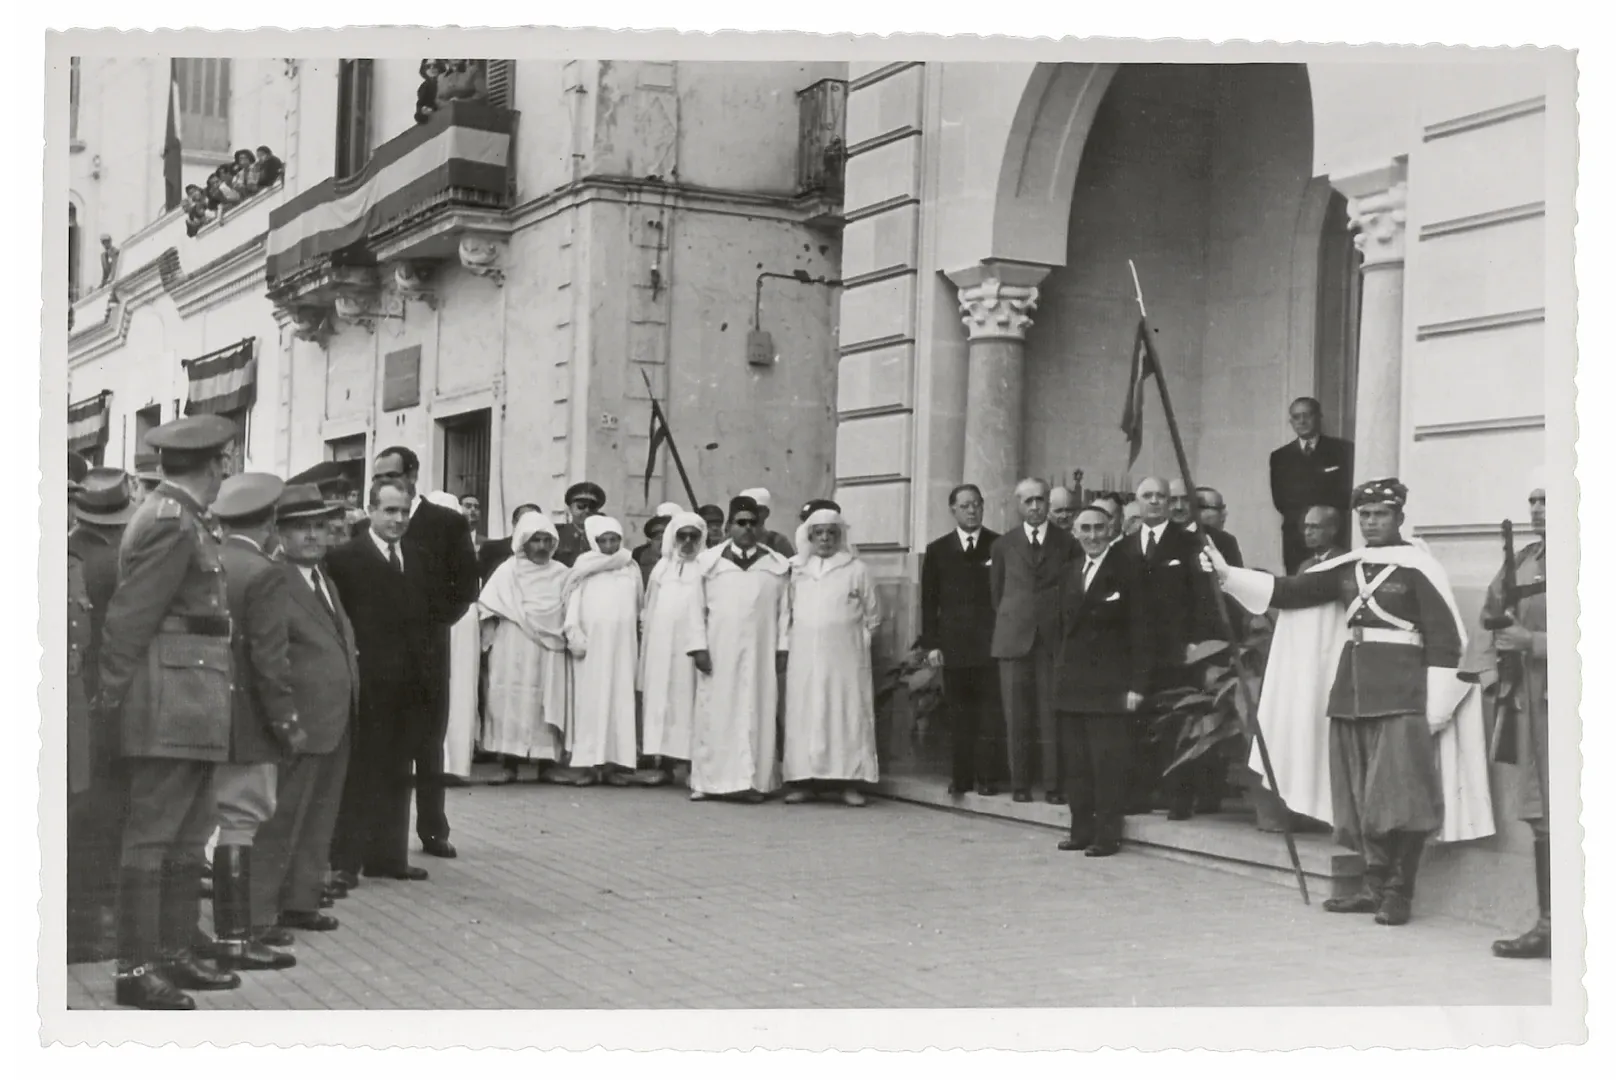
(1372, 640)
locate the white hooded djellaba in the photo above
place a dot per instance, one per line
(667, 675)
(602, 628)
(830, 689)
(742, 617)
(465, 668)
(521, 608)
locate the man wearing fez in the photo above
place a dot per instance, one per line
(1314, 470)
(294, 847)
(1406, 754)
(736, 631)
(264, 725)
(583, 499)
(165, 681)
(775, 542)
(100, 508)
(1525, 745)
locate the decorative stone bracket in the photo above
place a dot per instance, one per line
(413, 280)
(482, 255)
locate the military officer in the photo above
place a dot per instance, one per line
(165, 681)
(1396, 693)
(264, 725)
(1525, 745)
(583, 500)
(100, 509)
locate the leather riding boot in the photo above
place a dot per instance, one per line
(181, 910)
(1535, 944)
(140, 984)
(1397, 904)
(232, 917)
(1366, 901)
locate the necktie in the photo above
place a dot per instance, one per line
(1035, 544)
(1088, 574)
(1307, 449)
(1150, 544)
(319, 590)
(970, 545)
(392, 559)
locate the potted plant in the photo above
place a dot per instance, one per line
(921, 686)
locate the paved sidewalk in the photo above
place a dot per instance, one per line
(637, 898)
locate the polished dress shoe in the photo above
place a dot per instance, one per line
(276, 937)
(986, 790)
(308, 920)
(1535, 944)
(345, 878)
(440, 849)
(1102, 849)
(1395, 910)
(327, 901)
(144, 988)
(1054, 798)
(408, 873)
(188, 973)
(1073, 845)
(335, 891)
(254, 955)
(1022, 796)
(956, 790)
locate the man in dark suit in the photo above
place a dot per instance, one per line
(956, 631)
(294, 846)
(1178, 599)
(1212, 515)
(494, 552)
(1315, 470)
(379, 584)
(1102, 674)
(264, 724)
(439, 544)
(1024, 584)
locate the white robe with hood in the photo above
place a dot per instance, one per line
(667, 676)
(526, 708)
(602, 629)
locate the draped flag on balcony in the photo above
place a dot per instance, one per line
(225, 381)
(464, 147)
(88, 423)
(173, 145)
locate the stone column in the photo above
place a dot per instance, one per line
(1375, 207)
(996, 301)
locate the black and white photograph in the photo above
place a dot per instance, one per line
(677, 525)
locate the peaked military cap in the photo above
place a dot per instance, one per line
(103, 499)
(586, 490)
(325, 474)
(304, 501)
(742, 504)
(206, 432)
(247, 495)
(1389, 491)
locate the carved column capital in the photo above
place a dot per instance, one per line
(996, 300)
(1377, 201)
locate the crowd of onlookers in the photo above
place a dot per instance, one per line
(245, 175)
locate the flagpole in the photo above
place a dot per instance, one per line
(673, 449)
(1225, 623)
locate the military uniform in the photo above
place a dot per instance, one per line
(166, 673)
(571, 541)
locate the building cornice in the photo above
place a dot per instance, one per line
(691, 198)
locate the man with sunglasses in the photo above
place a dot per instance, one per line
(583, 501)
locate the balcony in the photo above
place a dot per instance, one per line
(356, 249)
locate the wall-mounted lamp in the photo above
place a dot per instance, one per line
(759, 343)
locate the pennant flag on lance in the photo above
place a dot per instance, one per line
(1146, 366)
(662, 434)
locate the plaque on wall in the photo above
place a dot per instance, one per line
(401, 379)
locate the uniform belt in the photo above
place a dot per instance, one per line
(1361, 634)
(201, 625)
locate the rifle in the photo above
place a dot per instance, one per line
(1511, 666)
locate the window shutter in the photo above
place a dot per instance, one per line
(500, 78)
(355, 86)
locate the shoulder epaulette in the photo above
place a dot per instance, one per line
(169, 509)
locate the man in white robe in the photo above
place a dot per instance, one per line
(521, 610)
(667, 675)
(830, 690)
(602, 630)
(737, 637)
(465, 663)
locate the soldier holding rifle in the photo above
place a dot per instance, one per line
(1511, 662)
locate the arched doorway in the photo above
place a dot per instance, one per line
(1200, 174)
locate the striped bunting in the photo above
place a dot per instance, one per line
(464, 145)
(225, 381)
(88, 422)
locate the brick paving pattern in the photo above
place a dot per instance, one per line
(637, 898)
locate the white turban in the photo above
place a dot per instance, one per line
(530, 524)
(682, 520)
(805, 549)
(598, 526)
(443, 498)
(669, 510)
(758, 495)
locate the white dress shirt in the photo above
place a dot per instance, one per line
(1146, 532)
(1090, 568)
(383, 545)
(1036, 533)
(965, 538)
